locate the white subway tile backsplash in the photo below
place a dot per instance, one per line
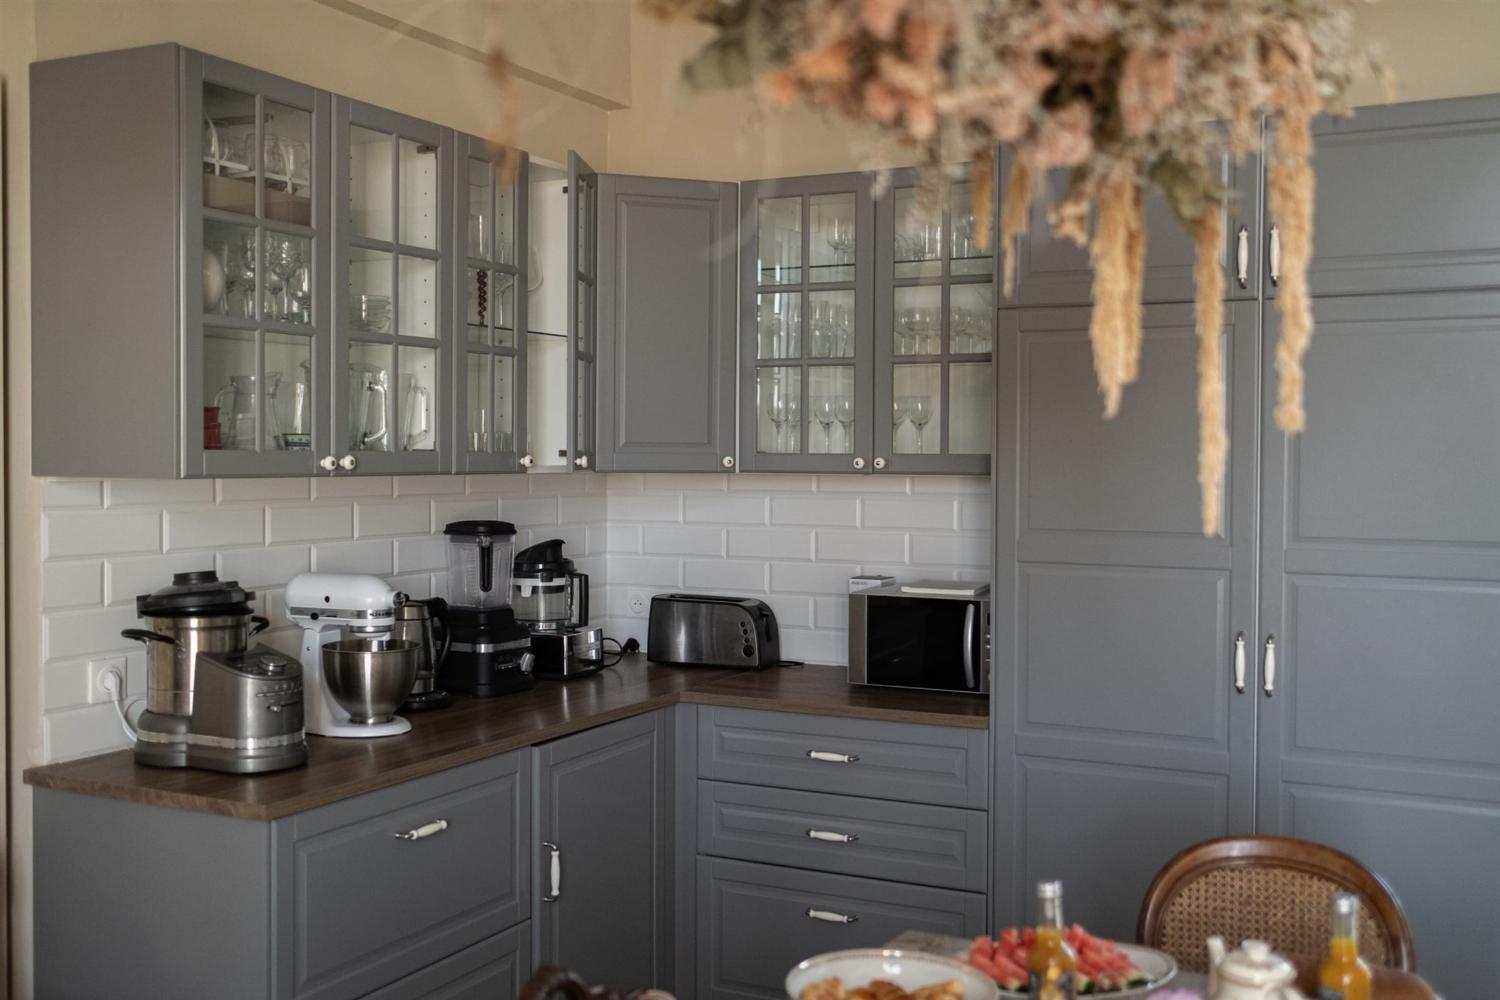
(889, 512)
(125, 579)
(355, 557)
(100, 533)
(314, 523)
(682, 540)
(975, 515)
(791, 610)
(701, 482)
(771, 543)
(72, 493)
(80, 732)
(65, 684)
(950, 484)
(615, 538)
(815, 645)
(950, 549)
(728, 575)
(427, 486)
(527, 511)
(815, 511)
(211, 527)
(831, 612)
(377, 518)
(624, 482)
(811, 578)
(646, 507)
(138, 492)
(852, 546)
(472, 509)
(72, 583)
(498, 485)
(259, 567)
(241, 490)
(725, 510)
(770, 482)
(78, 633)
(429, 552)
(345, 487)
(575, 510)
(864, 485)
(648, 571)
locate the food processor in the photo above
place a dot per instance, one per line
(490, 652)
(552, 601)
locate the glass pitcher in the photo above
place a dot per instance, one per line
(416, 420)
(298, 436)
(368, 390)
(238, 417)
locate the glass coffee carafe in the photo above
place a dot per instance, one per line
(237, 404)
(479, 564)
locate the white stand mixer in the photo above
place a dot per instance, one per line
(323, 605)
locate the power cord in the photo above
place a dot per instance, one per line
(621, 648)
(110, 680)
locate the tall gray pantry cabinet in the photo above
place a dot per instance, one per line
(1355, 589)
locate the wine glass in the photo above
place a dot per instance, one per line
(246, 274)
(820, 335)
(283, 258)
(794, 422)
(294, 162)
(919, 412)
(959, 326)
(843, 411)
(776, 410)
(843, 331)
(825, 413)
(840, 234)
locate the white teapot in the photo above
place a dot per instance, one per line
(1250, 972)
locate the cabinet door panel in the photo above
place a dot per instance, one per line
(666, 324)
(602, 800)
(494, 969)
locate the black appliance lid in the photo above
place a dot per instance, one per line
(481, 528)
(544, 559)
(196, 594)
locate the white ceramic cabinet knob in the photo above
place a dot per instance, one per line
(879, 462)
(582, 461)
(727, 461)
(527, 461)
(328, 463)
(347, 463)
(859, 463)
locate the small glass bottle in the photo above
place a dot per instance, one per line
(1050, 964)
(1343, 975)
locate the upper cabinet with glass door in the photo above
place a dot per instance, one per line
(392, 310)
(934, 329)
(806, 281)
(490, 220)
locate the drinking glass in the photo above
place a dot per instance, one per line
(793, 422)
(919, 412)
(283, 260)
(820, 334)
(776, 409)
(246, 275)
(275, 162)
(840, 233)
(825, 413)
(294, 163)
(843, 411)
(843, 330)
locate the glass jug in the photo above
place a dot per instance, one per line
(298, 437)
(480, 555)
(368, 390)
(416, 420)
(238, 417)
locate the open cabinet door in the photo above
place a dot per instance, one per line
(583, 214)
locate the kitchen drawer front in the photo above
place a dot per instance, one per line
(754, 922)
(369, 906)
(494, 969)
(938, 765)
(896, 841)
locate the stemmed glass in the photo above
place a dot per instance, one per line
(843, 411)
(821, 335)
(826, 413)
(843, 333)
(245, 278)
(917, 410)
(840, 233)
(959, 325)
(793, 422)
(283, 260)
(776, 409)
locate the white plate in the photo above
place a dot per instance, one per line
(1160, 967)
(907, 969)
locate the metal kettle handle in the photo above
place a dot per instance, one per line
(439, 609)
(261, 624)
(579, 582)
(146, 635)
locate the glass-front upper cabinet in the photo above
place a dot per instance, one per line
(392, 316)
(583, 267)
(490, 222)
(934, 329)
(258, 314)
(806, 282)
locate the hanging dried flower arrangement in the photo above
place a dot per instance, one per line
(1118, 92)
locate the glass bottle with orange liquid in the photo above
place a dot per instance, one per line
(1343, 975)
(1050, 964)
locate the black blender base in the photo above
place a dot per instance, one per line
(499, 682)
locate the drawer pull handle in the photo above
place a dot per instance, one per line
(832, 758)
(830, 917)
(554, 872)
(831, 837)
(424, 831)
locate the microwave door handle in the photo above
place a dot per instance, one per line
(969, 621)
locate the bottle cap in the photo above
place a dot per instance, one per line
(1049, 890)
(1345, 904)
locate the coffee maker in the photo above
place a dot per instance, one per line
(489, 652)
(552, 601)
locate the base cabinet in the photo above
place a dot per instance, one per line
(493, 969)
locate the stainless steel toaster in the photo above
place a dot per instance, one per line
(706, 630)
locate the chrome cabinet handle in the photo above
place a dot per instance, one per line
(1239, 662)
(831, 837)
(1242, 257)
(554, 872)
(727, 461)
(1268, 671)
(424, 831)
(1275, 255)
(831, 757)
(830, 917)
(970, 618)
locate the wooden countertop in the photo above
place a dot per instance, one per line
(474, 728)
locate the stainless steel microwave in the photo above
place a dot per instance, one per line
(901, 636)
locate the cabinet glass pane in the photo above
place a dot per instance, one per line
(779, 223)
(286, 163)
(971, 319)
(418, 298)
(583, 400)
(918, 321)
(505, 404)
(229, 258)
(966, 257)
(830, 327)
(918, 237)
(778, 395)
(831, 247)
(778, 321)
(228, 149)
(419, 194)
(917, 399)
(503, 289)
(505, 223)
(585, 312)
(289, 356)
(416, 404)
(370, 290)
(481, 208)
(830, 410)
(972, 389)
(369, 397)
(288, 416)
(230, 390)
(480, 404)
(370, 185)
(288, 284)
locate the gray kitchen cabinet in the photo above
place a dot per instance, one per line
(934, 331)
(1407, 199)
(1380, 558)
(1120, 734)
(583, 306)
(490, 222)
(194, 195)
(602, 869)
(666, 325)
(757, 921)
(806, 292)
(493, 969)
(136, 900)
(1052, 271)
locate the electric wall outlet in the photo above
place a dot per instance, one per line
(639, 602)
(98, 693)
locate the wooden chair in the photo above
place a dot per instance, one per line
(1275, 889)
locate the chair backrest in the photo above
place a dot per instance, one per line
(1275, 889)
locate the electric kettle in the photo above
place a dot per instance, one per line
(426, 624)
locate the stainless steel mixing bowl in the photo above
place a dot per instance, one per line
(369, 678)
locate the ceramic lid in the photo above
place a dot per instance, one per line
(1253, 963)
(196, 594)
